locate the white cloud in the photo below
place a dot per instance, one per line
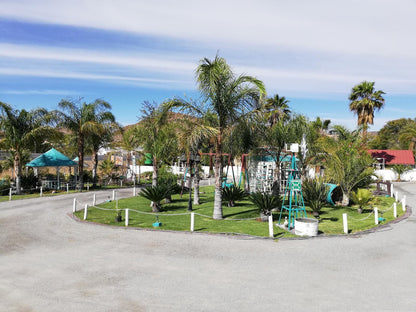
(40, 92)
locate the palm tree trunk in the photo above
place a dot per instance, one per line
(345, 199)
(94, 168)
(218, 180)
(17, 172)
(196, 185)
(155, 172)
(81, 161)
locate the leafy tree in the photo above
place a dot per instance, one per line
(108, 169)
(389, 136)
(229, 98)
(84, 120)
(364, 101)
(22, 130)
(407, 136)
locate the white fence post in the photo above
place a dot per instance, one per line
(192, 221)
(85, 211)
(88, 187)
(397, 196)
(271, 234)
(10, 194)
(404, 203)
(67, 187)
(74, 205)
(41, 191)
(391, 190)
(94, 199)
(345, 222)
(127, 217)
(121, 183)
(134, 191)
(114, 194)
(395, 210)
(376, 215)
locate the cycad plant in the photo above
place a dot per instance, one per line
(265, 202)
(232, 194)
(315, 193)
(361, 197)
(156, 194)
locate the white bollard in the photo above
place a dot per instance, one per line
(127, 217)
(114, 194)
(192, 221)
(67, 188)
(134, 191)
(271, 234)
(88, 187)
(376, 215)
(121, 183)
(404, 203)
(395, 210)
(74, 205)
(397, 196)
(391, 190)
(345, 222)
(94, 199)
(41, 191)
(85, 211)
(10, 194)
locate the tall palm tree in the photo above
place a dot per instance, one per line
(84, 120)
(229, 98)
(364, 101)
(276, 108)
(21, 130)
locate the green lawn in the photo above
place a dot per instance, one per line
(330, 219)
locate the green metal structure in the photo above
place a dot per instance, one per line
(293, 201)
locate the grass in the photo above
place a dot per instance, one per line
(330, 218)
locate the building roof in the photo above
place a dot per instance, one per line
(394, 157)
(51, 158)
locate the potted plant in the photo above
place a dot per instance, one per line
(315, 193)
(265, 202)
(361, 197)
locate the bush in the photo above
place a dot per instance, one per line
(156, 194)
(232, 194)
(361, 197)
(265, 202)
(315, 193)
(29, 181)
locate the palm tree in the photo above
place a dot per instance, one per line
(228, 98)
(364, 101)
(276, 108)
(155, 135)
(84, 120)
(21, 130)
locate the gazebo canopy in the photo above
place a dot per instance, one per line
(52, 158)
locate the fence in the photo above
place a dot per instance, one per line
(375, 212)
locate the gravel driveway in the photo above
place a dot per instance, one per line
(50, 262)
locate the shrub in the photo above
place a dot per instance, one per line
(156, 194)
(315, 193)
(361, 197)
(265, 202)
(232, 194)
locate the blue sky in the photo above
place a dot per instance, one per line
(127, 52)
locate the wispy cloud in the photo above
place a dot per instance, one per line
(41, 92)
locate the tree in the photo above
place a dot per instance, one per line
(155, 135)
(389, 136)
(364, 101)
(276, 108)
(346, 161)
(108, 168)
(407, 136)
(21, 130)
(229, 98)
(84, 120)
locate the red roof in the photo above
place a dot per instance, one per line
(394, 157)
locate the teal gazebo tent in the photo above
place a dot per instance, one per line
(52, 158)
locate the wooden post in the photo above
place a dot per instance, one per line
(404, 203)
(192, 221)
(85, 211)
(376, 215)
(127, 217)
(395, 210)
(94, 199)
(74, 205)
(345, 222)
(271, 234)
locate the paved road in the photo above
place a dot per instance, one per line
(49, 262)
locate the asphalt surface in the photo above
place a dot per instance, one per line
(50, 262)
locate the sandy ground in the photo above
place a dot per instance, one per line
(50, 262)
